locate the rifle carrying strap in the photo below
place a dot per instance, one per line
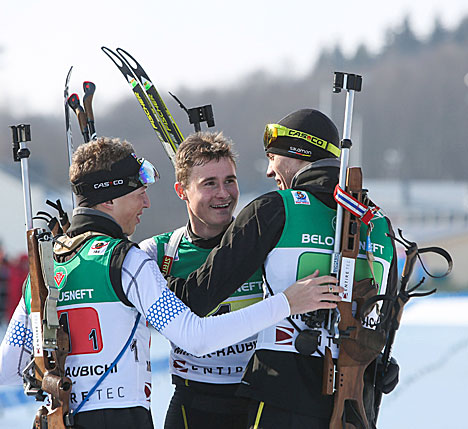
(369, 251)
(171, 250)
(50, 318)
(65, 244)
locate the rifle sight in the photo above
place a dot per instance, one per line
(347, 81)
(20, 134)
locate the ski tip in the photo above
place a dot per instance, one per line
(113, 56)
(67, 79)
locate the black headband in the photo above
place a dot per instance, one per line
(104, 185)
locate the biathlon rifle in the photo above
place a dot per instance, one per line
(57, 226)
(198, 115)
(359, 346)
(46, 372)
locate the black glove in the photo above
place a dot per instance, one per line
(387, 381)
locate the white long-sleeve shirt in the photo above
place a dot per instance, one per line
(145, 287)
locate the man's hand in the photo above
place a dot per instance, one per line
(313, 293)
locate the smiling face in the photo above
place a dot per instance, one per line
(283, 169)
(127, 210)
(211, 195)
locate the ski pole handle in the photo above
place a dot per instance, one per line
(74, 103)
(89, 89)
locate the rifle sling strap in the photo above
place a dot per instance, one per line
(369, 251)
(65, 244)
(50, 318)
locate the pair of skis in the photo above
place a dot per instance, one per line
(149, 99)
(153, 105)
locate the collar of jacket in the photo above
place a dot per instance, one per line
(320, 179)
(204, 243)
(87, 219)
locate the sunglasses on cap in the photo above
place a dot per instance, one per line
(273, 131)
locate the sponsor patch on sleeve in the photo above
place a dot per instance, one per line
(98, 248)
(300, 197)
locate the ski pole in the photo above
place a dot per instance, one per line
(74, 103)
(89, 89)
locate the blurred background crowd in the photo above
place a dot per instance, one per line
(13, 272)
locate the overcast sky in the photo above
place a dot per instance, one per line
(199, 43)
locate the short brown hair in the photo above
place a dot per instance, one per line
(200, 148)
(98, 155)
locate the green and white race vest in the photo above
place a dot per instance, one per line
(227, 365)
(99, 325)
(306, 244)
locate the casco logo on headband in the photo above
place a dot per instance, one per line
(313, 139)
(116, 182)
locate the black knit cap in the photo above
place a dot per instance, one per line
(311, 122)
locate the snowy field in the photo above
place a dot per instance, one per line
(431, 348)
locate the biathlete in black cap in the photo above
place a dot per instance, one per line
(290, 233)
(110, 290)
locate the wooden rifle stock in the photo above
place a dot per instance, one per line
(49, 364)
(38, 297)
(358, 346)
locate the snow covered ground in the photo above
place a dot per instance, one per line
(431, 348)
